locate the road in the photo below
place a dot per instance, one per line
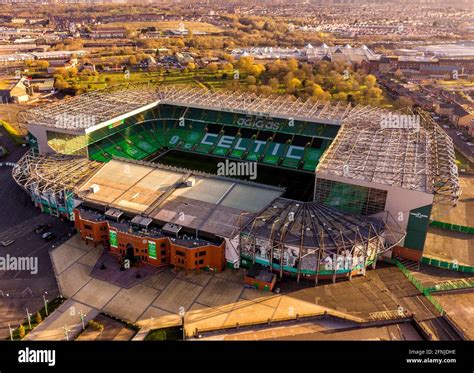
(18, 216)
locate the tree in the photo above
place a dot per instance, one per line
(274, 83)
(405, 102)
(42, 64)
(370, 81)
(251, 80)
(213, 67)
(60, 84)
(132, 60)
(21, 331)
(292, 85)
(38, 318)
(180, 43)
(292, 64)
(227, 66)
(61, 71)
(265, 90)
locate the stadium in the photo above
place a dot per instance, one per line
(99, 159)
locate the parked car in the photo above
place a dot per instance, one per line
(48, 236)
(7, 243)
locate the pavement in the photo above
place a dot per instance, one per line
(66, 317)
(447, 245)
(429, 275)
(113, 331)
(459, 305)
(325, 330)
(221, 300)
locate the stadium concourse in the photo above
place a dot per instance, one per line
(376, 187)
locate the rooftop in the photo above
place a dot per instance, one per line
(150, 231)
(249, 103)
(298, 233)
(53, 172)
(213, 204)
(314, 225)
(107, 106)
(420, 158)
(98, 107)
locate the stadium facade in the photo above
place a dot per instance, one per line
(376, 186)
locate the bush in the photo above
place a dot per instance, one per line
(38, 317)
(21, 331)
(95, 325)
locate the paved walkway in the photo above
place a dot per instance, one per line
(66, 316)
(210, 300)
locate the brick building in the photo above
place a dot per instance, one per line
(139, 239)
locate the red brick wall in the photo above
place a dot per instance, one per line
(261, 284)
(211, 256)
(405, 253)
(167, 253)
(90, 231)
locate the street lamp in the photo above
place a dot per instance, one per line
(66, 330)
(28, 315)
(182, 313)
(45, 302)
(82, 315)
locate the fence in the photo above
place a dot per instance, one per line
(452, 227)
(464, 283)
(419, 286)
(447, 265)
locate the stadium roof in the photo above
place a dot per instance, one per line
(419, 159)
(167, 194)
(52, 173)
(312, 226)
(250, 103)
(96, 109)
(93, 109)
